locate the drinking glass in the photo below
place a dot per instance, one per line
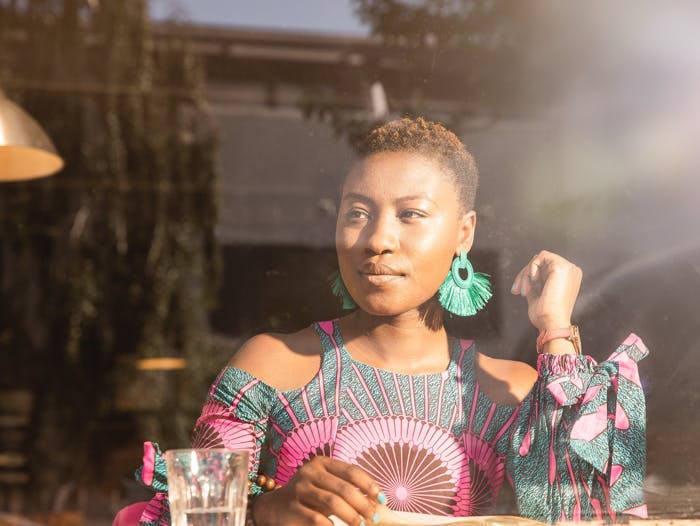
(207, 487)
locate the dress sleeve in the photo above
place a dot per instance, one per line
(578, 450)
(235, 416)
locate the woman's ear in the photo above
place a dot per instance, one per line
(465, 234)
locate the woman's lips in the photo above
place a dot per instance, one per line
(379, 273)
(381, 279)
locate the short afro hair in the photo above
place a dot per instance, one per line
(432, 140)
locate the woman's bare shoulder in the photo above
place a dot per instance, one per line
(283, 361)
(506, 382)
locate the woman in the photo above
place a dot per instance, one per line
(382, 406)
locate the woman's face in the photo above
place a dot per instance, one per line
(399, 226)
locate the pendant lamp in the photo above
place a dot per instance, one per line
(26, 152)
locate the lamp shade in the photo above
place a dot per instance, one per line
(26, 152)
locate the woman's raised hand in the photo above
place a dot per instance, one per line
(550, 284)
(320, 488)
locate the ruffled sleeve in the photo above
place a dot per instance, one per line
(235, 416)
(578, 451)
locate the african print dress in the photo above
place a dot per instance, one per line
(574, 449)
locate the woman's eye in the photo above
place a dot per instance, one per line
(412, 214)
(355, 213)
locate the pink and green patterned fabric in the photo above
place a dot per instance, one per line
(574, 449)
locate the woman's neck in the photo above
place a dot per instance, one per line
(403, 343)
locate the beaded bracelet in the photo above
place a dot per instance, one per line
(266, 484)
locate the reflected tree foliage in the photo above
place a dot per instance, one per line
(114, 258)
(467, 52)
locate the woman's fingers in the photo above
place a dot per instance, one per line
(357, 476)
(550, 283)
(522, 284)
(357, 489)
(331, 503)
(354, 486)
(533, 275)
(320, 488)
(286, 506)
(517, 283)
(333, 487)
(525, 284)
(538, 270)
(305, 515)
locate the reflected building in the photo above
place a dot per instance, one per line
(286, 106)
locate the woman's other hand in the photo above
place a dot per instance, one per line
(320, 488)
(550, 284)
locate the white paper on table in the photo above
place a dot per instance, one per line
(388, 517)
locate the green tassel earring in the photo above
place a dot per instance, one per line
(464, 297)
(338, 288)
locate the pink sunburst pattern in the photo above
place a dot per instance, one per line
(416, 463)
(482, 476)
(309, 439)
(215, 428)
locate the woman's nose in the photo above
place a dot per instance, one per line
(382, 236)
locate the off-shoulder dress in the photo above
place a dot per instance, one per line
(573, 449)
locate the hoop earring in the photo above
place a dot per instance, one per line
(464, 296)
(340, 290)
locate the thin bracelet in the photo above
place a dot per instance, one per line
(570, 333)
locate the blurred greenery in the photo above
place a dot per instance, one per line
(468, 52)
(115, 256)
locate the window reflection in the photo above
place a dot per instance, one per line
(198, 202)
